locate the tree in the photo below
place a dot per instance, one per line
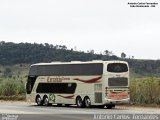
(123, 55)
(90, 51)
(108, 53)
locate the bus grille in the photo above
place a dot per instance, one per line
(98, 97)
(119, 81)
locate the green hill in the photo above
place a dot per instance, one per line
(12, 53)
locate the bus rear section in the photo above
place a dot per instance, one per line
(117, 83)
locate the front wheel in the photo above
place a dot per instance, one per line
(39, 101)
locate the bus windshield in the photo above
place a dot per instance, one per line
(117, 67)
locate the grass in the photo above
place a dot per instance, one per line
(12, 82)
(13, 98)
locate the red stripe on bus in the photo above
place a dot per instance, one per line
(93, 80)
(67, 97)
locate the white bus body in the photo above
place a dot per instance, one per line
(96, 83)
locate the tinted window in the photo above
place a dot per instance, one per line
(117, 67)
(67, 88)
(67, 70)
(120, 81)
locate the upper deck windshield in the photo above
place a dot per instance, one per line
(117, 67)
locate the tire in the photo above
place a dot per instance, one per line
(87, 102)
(46, 101)
(67, 105)
(59, 105)
(109, 106)
(99, 106)
(39, 101)
(79, 102)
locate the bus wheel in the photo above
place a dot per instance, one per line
(46, 101)
(79, 102)
(67, 105)
(87, 102)
(59, 105)
(109, 106)
(101, 106)
(39, 101)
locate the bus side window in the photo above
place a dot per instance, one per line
(30, 83)
(28, 87)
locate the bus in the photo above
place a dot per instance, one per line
(84, 84)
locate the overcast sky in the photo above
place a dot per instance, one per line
(87, 24)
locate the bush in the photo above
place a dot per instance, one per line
(145, 90)
(10, 88)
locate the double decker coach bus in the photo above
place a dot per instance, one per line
(86, 84)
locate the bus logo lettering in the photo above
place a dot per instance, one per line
(56, 79)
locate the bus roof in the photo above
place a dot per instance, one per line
(80, 62)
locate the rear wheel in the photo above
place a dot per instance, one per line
(39, 101)
(100, 106)
(79, 102)
(46, 101)
(109, 106)
(87, 102)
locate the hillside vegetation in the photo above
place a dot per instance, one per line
(11, 53)
(27, 53)
(12, 81)
(145, 90)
